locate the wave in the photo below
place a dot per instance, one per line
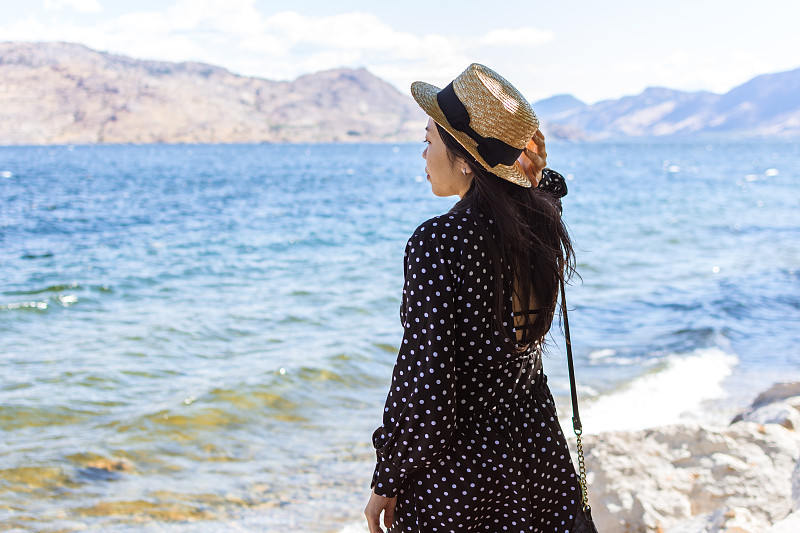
(668, 396)
(51, 288)
(65, 300)
(25, 306)
(602, 354)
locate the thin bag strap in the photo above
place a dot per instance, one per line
(576, 417)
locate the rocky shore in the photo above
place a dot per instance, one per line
(734, 476)
(737, 476)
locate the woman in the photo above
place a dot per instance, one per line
(470, 440)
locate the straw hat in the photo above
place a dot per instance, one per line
(487, 115)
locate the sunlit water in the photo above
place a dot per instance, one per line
(200, 338)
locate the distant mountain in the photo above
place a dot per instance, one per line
(59, 93)
(768, 105)
(557, 104)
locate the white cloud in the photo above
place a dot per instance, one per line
(517, 37)
(574, 57)
(717, 71)
(236, 35)
(83, 6)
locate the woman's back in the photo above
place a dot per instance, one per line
(465, 418)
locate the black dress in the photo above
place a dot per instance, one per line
(470, 440)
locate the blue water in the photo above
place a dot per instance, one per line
(205, 334)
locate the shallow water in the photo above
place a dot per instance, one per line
(199, 338)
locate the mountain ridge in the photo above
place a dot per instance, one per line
(67, 93)
(767, 105)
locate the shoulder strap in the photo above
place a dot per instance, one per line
(576, 417)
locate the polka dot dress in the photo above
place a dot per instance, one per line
(470, 440)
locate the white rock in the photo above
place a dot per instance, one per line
(738, 520)
(793, 402)
(728, 520)
(776, 393)
(790, 524)
(774, 413)
(697, 524)
(665, 478)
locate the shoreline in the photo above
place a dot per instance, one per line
(724, 470)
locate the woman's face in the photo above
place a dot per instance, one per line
(446, 177)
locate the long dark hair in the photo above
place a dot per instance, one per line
(530, 240)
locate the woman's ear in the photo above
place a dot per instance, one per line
(462, 166)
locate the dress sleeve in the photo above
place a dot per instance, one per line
(419, 414)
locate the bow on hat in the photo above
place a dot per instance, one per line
(555, 184)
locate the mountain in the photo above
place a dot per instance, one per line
(767, 105)
(61, 93)
(559, 103)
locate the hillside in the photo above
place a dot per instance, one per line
(62, 93)
(766, 106)
(59, 93)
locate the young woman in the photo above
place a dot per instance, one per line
(470, 440)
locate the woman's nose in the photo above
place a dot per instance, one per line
(425, 153)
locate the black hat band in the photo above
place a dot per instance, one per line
(493, 151)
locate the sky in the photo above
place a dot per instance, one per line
(592, 50)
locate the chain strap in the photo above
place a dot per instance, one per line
(582, 471)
